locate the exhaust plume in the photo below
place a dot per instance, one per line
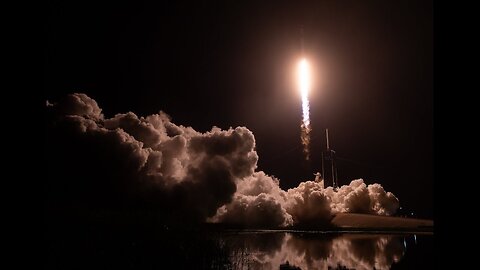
(304, 86)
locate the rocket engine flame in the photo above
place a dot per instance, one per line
(304, 86)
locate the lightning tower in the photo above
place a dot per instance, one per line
(330, 174)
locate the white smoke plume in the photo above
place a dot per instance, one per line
(309, 204)
(151, 163)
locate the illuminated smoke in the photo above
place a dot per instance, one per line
(183, 176)
(304, 86)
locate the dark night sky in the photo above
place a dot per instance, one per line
(231, 63)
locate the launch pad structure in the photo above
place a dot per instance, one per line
(329, 166)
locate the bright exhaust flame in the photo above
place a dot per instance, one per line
(304, 85)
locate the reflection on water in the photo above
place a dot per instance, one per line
(312, 251)
(81, 246)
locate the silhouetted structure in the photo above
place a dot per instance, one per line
(329, 174)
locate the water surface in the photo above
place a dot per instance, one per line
(133, 248)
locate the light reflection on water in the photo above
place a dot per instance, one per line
(267, 250)
(97, 247)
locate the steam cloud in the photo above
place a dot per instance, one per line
(150, 163)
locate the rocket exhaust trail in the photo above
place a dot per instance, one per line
(304, 86)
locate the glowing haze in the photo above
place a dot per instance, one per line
(304, 86)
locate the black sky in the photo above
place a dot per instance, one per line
(230, 63)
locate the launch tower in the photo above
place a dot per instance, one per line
(329, 169)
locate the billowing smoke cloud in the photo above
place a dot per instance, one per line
(310, 204)
(146, 161)
(150, 163)
(258, 202)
